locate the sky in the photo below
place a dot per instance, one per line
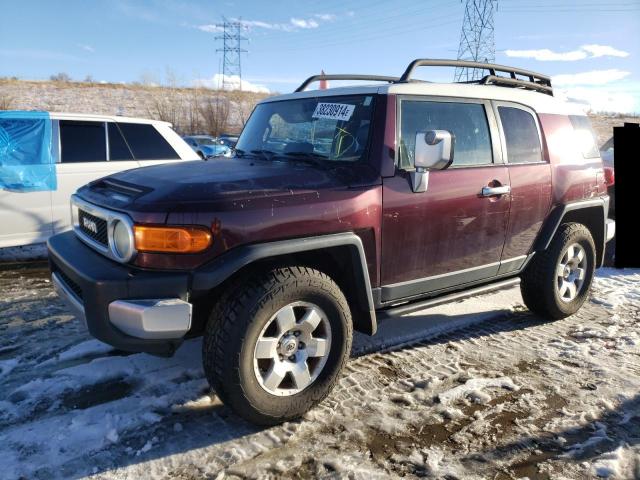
(590, 48)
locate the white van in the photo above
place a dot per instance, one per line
(84, 148)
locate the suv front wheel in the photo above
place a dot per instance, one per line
(556, 282)
(276, 343)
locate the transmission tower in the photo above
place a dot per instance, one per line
(232, 50)
(477, 42)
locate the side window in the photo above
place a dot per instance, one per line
(467, 121)
(118, 149)
(584, 136)
(521, 135)
(146, 142)
(82, 141)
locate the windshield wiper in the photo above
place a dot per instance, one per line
(267, 154)
(309, 157)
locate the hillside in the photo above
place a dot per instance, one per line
(190, 110)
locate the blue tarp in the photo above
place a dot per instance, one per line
(26, 160)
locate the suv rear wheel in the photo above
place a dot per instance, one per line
(277, 343)
(556, 282)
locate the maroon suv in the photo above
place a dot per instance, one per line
(339, 206)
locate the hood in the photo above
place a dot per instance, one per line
(220, 179)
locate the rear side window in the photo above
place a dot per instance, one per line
(118, 149)
(584, 137)
(146, 142)
(521, 135)
(467, 121)
(82, 141)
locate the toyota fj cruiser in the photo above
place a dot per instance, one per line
(340, 206)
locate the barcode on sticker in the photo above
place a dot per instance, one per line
(335, 111)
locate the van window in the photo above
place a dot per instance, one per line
(118, 148)
(82, 141)
(584, 137)
(466, 121)
(146, 142)
(521, 135)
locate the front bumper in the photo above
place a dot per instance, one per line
(123, 304)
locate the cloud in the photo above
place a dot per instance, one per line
(209, 28)
(604, 51)
(326, 17)
(600, 99)
(86, 48)
(599, 90)
(217, 80)
(302, 23)
(545, 55)
(585, 51)
(292, 25)
(594, 77)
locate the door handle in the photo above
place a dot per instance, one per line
(494, 191)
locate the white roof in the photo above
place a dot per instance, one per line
(540, 102)
(103, 118)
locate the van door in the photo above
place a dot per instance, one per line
(454, 232)
(88, 150)
(25, 217)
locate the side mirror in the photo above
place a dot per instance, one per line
(433, 151)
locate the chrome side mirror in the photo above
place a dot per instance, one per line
(433, 151)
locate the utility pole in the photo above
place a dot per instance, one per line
(477, 42)
(232, 50)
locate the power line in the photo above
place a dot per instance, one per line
(232, 51)
(477, 42)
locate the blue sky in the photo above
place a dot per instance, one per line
(590, 47)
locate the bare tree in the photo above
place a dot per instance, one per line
(194, 119)
(60, 77)
(164, 105)
(215, 114)
(6, 101)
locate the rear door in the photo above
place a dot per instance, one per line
(451, 234)
(88, 150)
(530, 179)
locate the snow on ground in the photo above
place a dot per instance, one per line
(476, 389)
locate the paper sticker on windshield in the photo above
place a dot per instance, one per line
(335, 111)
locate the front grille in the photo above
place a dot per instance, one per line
(71, 285)
(86, 222)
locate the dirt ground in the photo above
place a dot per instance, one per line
(477, 389)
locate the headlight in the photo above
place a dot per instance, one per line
(122, 240)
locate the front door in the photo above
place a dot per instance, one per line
(451, 234)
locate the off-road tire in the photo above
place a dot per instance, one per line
(538, 286)
(235, 324)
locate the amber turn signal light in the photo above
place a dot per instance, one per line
(171, 239)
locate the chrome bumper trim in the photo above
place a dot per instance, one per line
(611, 229)
(166, 318)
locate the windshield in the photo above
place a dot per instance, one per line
(205, 141)
(320, 128)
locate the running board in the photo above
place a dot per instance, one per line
(451, 297)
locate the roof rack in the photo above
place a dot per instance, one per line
(318, 78)
(536, 81)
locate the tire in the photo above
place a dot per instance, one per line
(248, 314)
(543, 292)
(201, 155)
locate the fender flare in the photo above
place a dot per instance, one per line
(220, 269)
(557, 215)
